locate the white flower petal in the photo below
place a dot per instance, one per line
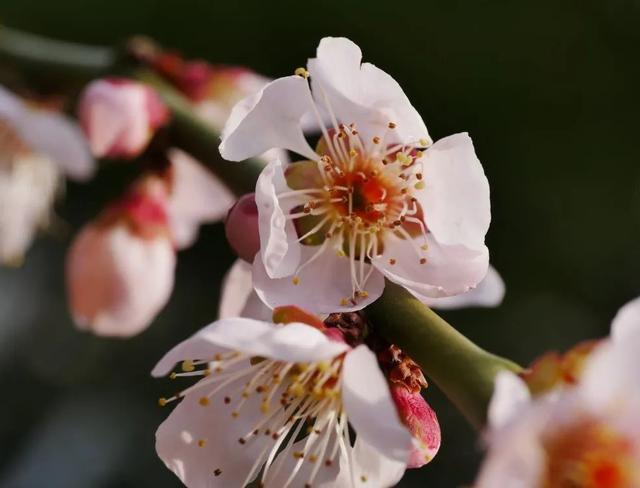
(370, 408)
(11, 106)
(322, 286)
(269, 119)
(27, 191)
(371, 468)
(455, 199)
(362, 94)
(627, 321)
(489, 293)
(294, 342)
(118, 282)
(59, 138)
(279, 246)
(610, 375)
(178, 438)
(449, 270)
(238, 299)
(197, 197)
(510, 398)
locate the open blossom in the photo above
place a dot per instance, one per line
(119, 117)
(583, 433)
(262, 387)
(38, 148)
(375, 199)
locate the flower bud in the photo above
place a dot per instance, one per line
(241, 228)
(120, 116)
(120, 268)
(421, 421)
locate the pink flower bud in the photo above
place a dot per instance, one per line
(421, 421)
(120, 268)
(119, 116)
(241, 228)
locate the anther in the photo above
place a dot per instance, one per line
(187, 365)
(227, 400)
(419, 185)
(204, 401)
(392, 261)
(217, 472)
(202, 442)
(423, 142)
(242, 441)
(392, 125)
(423, 260)
(301, 72)
(295, 280)
(162, 401)
(376, 140)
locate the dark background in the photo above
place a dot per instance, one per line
(548, 91)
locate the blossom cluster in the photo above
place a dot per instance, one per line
(295, 383)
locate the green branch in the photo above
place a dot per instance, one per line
(461, 369)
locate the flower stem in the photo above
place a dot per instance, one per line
(461, 369)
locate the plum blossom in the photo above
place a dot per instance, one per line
(260, 385)
(376, 198)
(120, 267)
(38, 149)
(585, 432)
(119, 117)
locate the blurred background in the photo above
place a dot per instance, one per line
(547, 89)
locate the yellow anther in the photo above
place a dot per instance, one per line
(419, 154)
(419, 185)
(173, 376)
(162, 401)
(340, 253)
(313, 458)
(187, 365)
(204, 401)
(424, 247)
(264, 407)
(404, 158)
(344, 302)
(295, 280)
(323, 366)
(302, 72)
(424, 142)
(201, 443)
(234, 414)
(353, 153)
(297, 390)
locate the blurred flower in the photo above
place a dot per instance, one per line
(38, 148)
(196, 197)
(119, 116)
(376, 199)
(261, 385)
(241, 228)
(120, 268)
(585, 433)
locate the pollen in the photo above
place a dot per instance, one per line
(302, 72)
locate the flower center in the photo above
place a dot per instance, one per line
(590, 455)
(290, 397)
(354, 195)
